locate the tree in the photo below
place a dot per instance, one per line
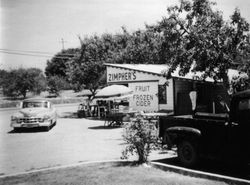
(142, 46)
(3, 76)
(20, 81)
(87, 69)
(57, 66)
(196, 37)
(38, 80)
(56, 84)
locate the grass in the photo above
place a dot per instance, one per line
(67, 96)
(106, 173)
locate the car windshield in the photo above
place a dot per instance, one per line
(35, 104)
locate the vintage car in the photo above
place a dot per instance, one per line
(34, 113)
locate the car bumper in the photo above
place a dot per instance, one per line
(31, 125)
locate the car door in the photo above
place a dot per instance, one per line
(239, 133)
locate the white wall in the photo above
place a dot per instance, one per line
(144, 84)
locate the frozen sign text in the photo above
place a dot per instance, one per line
(142, 96)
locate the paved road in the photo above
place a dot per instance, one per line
(72, 140)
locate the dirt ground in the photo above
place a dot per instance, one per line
(72, 140)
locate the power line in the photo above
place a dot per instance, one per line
(26, 51)
(34, 55)
(36, 52)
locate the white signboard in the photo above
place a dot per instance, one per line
(145, 96)
(122, 75)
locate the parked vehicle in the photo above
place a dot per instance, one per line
(34, 113)
(216, 136)
(82, 111)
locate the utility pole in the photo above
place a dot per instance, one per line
(62, 41)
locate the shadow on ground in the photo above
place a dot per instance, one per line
(29, 130)
(74, 115)
(237, 171)
(69, 115)
(102, 127)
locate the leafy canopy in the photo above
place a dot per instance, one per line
(20, 81)
(193, 36)
(195, 33)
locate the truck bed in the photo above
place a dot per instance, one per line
(204, 115)
(201, 121)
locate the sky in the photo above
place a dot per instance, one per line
(38, 26)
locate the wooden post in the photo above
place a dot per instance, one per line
(213, 107)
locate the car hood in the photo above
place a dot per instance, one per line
(28, 112)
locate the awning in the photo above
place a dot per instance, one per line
(114, 91)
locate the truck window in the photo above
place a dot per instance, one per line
(244, 104)
(162, 94)
(243, 113)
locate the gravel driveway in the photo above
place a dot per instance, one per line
(72, 140)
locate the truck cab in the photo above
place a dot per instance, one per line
(222, 136)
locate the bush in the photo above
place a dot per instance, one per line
(141, 138)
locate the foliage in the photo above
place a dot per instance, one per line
(141, 139)
(38, 80)
(57, 66)
(239, 83)
(193, 36)
(86, 70)
(20, 81)
(142, 46)
(196, 37)
(3, 76)
(56, 84)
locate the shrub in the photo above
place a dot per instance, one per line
(141, 138)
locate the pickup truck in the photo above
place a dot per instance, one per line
(215, 136)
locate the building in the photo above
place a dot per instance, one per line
(153, 92)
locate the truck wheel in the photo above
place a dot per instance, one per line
(187, 153)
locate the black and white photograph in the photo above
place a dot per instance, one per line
(135, 92)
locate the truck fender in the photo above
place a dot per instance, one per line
(173, 134)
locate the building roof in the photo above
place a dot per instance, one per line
(158, 69)
(150, 68)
